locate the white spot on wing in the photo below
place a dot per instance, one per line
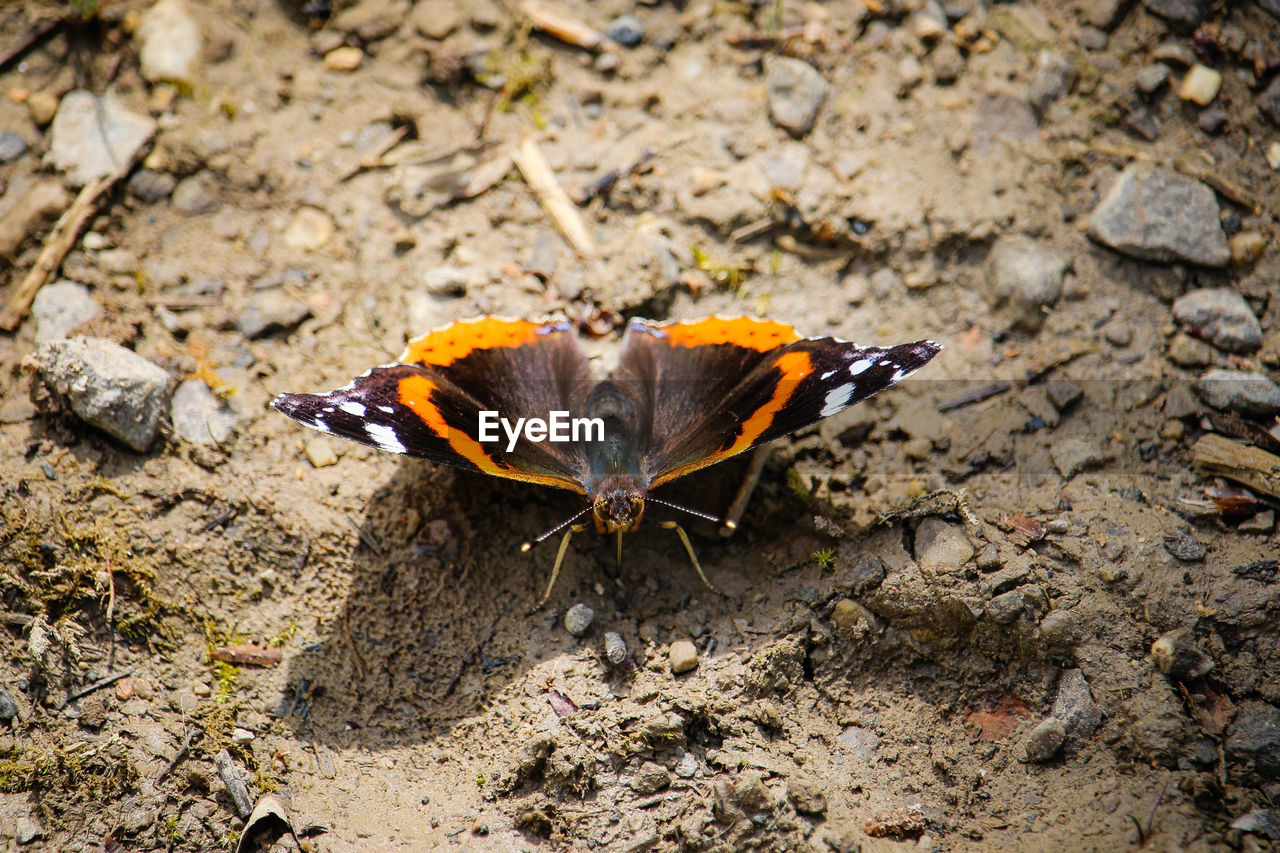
(385, 437)
(351, 407)
(860, 366)
(828, 374)
(837, 399)
(386, 410)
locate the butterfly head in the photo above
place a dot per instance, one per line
(618, 509)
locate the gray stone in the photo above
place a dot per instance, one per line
(93, 136)
(1212, 120)
(1054, 76)
(60, 307)
(196, 195)
(28, 829)
(1045, 740)
(1246, 392)
(1255, 736)
(1155, 215)
(948, 63)
(861, 743)
(199, 415)
(1105, 14)
(1026, 276)
(1174, 52)
(1151, 78)
(1176, 655)
(434, 19)
(1073, 455)
(626, 30)
(169, 43)
(1264, 822)
(1182, 546)
(271, 310)
(149, 186)
(1059, 629)
(650, 778)
(941, 548)
(1142, 123)
(615, 648)
(1186, 351)
(1091, 38)
(796, 93)
(1269, 101)
(1220, 316)
(12, 146)
(687, 766)
(1075, 707)
(1182, 15)
(108, 386)
(578, 619)
(1007, 607)
(8, 707)
(786, 165)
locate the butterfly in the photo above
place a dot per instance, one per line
(684, 395)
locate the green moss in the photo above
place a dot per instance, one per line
(826, 558)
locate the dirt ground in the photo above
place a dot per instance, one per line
(971, 671)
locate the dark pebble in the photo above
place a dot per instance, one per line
(8, 708)
(1142, 124)
(12, 146)
(1182, 546)
(149, 186)
(1255, 734)
(626, 30)
(1212, 121)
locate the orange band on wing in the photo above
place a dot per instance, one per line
(415, 392)
(794, 366)
(447, 345)
(761, 335)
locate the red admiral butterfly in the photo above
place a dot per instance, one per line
(684, 395)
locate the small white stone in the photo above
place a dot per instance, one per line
(683, 656)
(308, 230)
(1201, 85)
(1273, 155)
(344, 59)
(321, 453)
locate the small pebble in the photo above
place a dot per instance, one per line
(1177, 656)
(8, 708)
(1151, 78)
(1045, 740)
(1201, 85)
(687, 767)
(917, 449)
(1212, 121)
(650, 778)
(615, 648)
(42, 106)
(239, 735)
(1273, 155)
(321, 452)
(149, 186)
(1182, 546)
(344, 59)
(27, 830)
(308, 230)
(578, 619)
(12, 146)
(201, 689)
(683, 656)
(1247, 247)
(626, 30)
(1118, 334)
(1172, 430)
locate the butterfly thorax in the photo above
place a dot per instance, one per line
(618, 505)
(615, 483)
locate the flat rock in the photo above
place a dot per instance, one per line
(1026, 276)
(1045, 740)
(683, 656)
(1075, 707)
(60, 307)
(1220, 316)
(269, 311)
(149, 186)
(1156, 215)
(1246, 392)
(12, 146)
(108, 386)
(796, 93)
(1054, 76)
(169, 43)
(1181, 15)
(200, 416)
(1073, 455)
(940, 547)
(1269, 101)
(93, 136)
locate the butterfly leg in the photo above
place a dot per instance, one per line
(555, 569)
(688, 546)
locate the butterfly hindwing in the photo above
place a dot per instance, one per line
(721, 387)
(428, 405)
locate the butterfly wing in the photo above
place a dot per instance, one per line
(428, 405)
(719, 387)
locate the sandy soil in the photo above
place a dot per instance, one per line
(877, 672)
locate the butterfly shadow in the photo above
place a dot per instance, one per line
(441, 611)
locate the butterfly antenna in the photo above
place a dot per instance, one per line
(528, 546)
(729, 523)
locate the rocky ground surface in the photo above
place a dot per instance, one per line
(1027, 600)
